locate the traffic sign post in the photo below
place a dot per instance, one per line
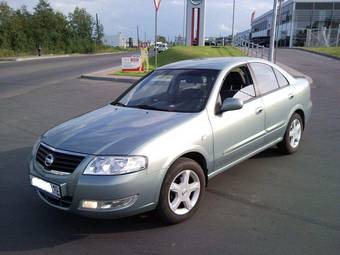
(157, 4)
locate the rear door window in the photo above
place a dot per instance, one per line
(280, 78)
(265, 77)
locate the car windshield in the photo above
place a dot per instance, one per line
(171, 90)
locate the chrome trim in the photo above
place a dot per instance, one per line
(52, 171)
(55, 172)
(63, 151)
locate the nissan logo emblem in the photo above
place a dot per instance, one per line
(49, 160)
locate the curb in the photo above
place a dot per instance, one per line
(113, 78)
(318, 53)
(98, 76)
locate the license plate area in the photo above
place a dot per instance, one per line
(46, 186)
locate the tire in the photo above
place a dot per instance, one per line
(292, 138)
(187, 196)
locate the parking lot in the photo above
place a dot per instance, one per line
(269, 204)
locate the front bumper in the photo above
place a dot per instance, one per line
(76, 187)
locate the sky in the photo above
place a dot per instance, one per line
(124, 15)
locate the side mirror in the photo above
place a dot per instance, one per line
(231, 104)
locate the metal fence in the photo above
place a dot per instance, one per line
(250, 48)
(325, 37)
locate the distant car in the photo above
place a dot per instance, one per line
(162, 48)
(160, 142)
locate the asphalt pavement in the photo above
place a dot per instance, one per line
(269, 204)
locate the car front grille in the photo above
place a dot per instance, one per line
(63, 162)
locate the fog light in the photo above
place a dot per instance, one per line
(89, 204)
(117, 204)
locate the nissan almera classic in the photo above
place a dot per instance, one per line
(158, 144)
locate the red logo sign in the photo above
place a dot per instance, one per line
(157, 4)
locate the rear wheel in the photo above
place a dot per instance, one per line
(181, 191)
(292, 137)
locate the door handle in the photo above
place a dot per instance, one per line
(291, 96)
(259, 110)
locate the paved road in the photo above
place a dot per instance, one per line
(270, 204)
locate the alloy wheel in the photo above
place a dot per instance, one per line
(184, 192)
(295, 132)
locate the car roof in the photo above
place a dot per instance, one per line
(219, 63)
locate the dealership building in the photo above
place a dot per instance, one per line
(301, 23)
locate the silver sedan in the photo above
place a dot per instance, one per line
(159, 143)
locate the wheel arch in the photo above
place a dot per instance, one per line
(302, 115)
(299, 110)
(196, 155)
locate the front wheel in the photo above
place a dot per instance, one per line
(292, 137)
(181, 192)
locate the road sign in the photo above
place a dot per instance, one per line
(157, 4)
(132, 64)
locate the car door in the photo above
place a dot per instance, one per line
(276, 100)
(240, 132)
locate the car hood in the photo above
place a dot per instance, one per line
(112, 130)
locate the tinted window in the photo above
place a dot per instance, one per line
(172, 90)
(238, 84)
(265, 77)
(280, 78)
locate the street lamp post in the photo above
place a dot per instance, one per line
(273, 33)
(277, 34)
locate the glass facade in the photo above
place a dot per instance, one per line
(315, 17)
(315, 23)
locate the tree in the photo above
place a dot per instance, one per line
(23, 32)
(6, 14)
(161, 38)
(81, 24)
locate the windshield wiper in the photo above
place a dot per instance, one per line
(119, 104)
(148, 107)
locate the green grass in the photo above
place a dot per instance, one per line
(333, 51)
(179, 53)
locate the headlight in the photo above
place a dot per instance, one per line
(104, 165)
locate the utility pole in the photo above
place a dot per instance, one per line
(97, 39)
(138, 36)
(233, 25)
(273, 33)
